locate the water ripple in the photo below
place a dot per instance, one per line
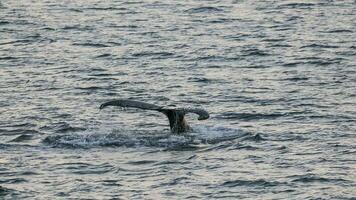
(252, 183)
(278, 79)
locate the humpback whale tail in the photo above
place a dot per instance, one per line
(177, 122)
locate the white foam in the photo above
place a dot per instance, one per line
(106, 136)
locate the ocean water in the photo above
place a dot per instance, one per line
(277, 77)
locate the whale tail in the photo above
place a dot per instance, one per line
(175, 116)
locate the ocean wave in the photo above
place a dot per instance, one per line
(12, 180)
(106, 8)
(4, 22)
(308, 178)
(249, 116)
(252, 183)
(153, 54)
(22, 138)
(88, 44)
(204, 9)
(6, 192)
(297, 5)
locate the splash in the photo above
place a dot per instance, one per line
(103, 137)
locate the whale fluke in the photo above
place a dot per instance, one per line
(177, 122)
(130, 103)
(203, 114)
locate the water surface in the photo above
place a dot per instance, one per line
(278, 78)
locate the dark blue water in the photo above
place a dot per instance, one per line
(278, 78)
